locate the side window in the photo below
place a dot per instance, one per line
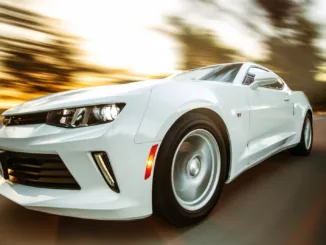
(225, 73)
(249, 79)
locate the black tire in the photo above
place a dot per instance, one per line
(165, 204)
(301, 149)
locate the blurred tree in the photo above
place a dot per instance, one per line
(34, 69)
(293, 52)
(198, 46)
(280, 12)
(37, 66)
(40, 57)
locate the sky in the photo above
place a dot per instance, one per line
(117, 33)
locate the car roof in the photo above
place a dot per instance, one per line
(246, 64)
(229, 63)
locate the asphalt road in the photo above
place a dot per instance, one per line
(280, 201)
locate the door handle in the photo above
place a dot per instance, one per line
(287, 99)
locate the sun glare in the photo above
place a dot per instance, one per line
(117, 33)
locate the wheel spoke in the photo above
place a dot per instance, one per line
(308, 134)
(195, 169)
(191, 192)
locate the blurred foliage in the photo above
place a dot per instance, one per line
(37, 65)
(199, 46)
(293, 52)
(280, 12)
(53, 61)
(45, 59)
(292, 49)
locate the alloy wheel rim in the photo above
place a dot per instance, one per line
(196, 169)
(307, 134)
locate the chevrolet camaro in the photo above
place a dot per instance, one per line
(165, 147)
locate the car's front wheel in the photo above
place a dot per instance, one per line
(190, 170)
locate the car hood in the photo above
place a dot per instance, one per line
(84, 97)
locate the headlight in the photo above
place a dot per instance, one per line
(84, 116)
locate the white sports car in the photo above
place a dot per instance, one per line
(161, 146)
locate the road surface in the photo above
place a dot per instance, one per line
(280, 201)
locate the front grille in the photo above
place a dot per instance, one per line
(39, 170)
(33, 118)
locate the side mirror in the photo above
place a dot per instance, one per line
(264, 78)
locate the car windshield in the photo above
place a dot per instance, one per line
(193, 74)
(220, 73)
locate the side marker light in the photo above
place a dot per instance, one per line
(150, 161)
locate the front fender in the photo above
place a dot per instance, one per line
(167, 104)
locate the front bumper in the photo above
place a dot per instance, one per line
(95, 200)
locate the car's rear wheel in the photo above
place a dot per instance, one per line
(190, 170)
(305, 145)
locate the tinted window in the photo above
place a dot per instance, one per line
(249, 79)
(225, 73)
(193, 74)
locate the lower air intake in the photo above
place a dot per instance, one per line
(39, 170)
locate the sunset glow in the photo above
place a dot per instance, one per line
(117, 33)
(125, 40)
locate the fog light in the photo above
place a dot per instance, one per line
(102, 162)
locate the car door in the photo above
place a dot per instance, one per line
(233, 99)
(269, 116)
